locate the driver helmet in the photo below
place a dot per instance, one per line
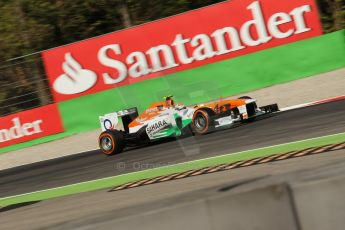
(169, 101)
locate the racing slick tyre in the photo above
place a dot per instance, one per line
(111, 142)
(202, 122)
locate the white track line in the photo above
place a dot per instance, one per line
(313, 103)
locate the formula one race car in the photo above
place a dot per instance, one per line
(165, 119)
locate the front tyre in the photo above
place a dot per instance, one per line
(111, 142)
(201, 122)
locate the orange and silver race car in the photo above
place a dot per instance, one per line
(165, 119)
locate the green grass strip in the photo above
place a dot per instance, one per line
(161, 171)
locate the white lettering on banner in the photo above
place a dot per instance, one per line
(181, 50)
(154, 54)
(119, 66)
(18, 130)
(204, 49)
(204, 46)
(139, 65)
(276, 20)
(258, 23)
(220, 37)
(298, 15)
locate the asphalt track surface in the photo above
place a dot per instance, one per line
(284, 127)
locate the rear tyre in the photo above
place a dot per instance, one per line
(201, 122)
(111, 142)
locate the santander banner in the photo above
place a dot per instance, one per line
(30, 125)
(185, 41)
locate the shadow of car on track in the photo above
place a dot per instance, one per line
(16, 206)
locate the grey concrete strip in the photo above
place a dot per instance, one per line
(320, 202)
(253, 210)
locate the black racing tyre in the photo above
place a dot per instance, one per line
(245, 97)
(202, 122)
(111, 142)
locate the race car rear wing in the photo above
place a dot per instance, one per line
(110, 121)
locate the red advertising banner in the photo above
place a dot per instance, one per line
(222, 31)
(30, 125)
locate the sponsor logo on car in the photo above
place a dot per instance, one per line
(109, 121)
(152, 110)
(156, 127)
